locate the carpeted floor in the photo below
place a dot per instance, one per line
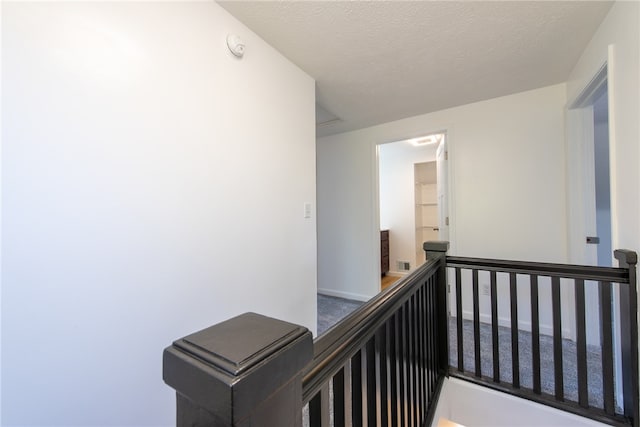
(331, 310)
(569, 356)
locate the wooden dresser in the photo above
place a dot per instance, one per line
(384, 251)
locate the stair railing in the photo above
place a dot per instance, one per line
(385, 363)
(561, 311)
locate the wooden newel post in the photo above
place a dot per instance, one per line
(246, 371)
(437, 250)
(629, 335)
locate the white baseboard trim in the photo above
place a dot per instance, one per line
(346, 295)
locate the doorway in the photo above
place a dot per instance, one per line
(591, 189)
(589, 178)
(412, 200)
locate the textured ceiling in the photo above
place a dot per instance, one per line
(378, 61)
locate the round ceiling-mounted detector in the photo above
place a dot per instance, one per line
(236, 45)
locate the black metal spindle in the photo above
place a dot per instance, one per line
(422, 352)
(433, 331)
(319, 408)
(419, 358)
(402, 375)
(425, 347)
(339, 396)
(348, 404)
(459, 320)
(356, 389)
(389, 360)
(606, 337)
(417, 361)
(581, 344)
(392, 373)
(476, 323)
(382, 397)
(411, 392)
(535, 335)
(428, 336)
(557, 339)
(515, 349)
(369, 370)
(494, 327)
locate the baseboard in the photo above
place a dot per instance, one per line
(345, 295)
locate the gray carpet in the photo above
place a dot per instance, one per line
(569, 356)
(331, 310)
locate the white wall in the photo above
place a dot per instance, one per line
(397, 197)
(507, 185)
(153, 185)
(348, 240)
(621, 30)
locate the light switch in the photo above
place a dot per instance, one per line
(307, 210)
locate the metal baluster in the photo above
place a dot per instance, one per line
(557, 338)
(459, 320)
(606, 325)
(339, 395)
(581, 343)
(515, 349)
(535, 334)
(476, 323)
(494, 328)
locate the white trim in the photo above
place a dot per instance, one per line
(451, 205)
(613, 151)
(345, 295)
(375, 209)
(593, 89)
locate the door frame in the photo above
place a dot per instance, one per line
(449, 135)
(580, 179)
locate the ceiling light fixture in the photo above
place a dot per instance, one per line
(426, 140)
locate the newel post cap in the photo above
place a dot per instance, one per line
(230, 368)
(436, 246)
(626, 257)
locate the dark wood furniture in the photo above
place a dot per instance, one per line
(384, 251)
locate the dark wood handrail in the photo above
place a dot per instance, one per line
(585, 272)
(336, 346)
